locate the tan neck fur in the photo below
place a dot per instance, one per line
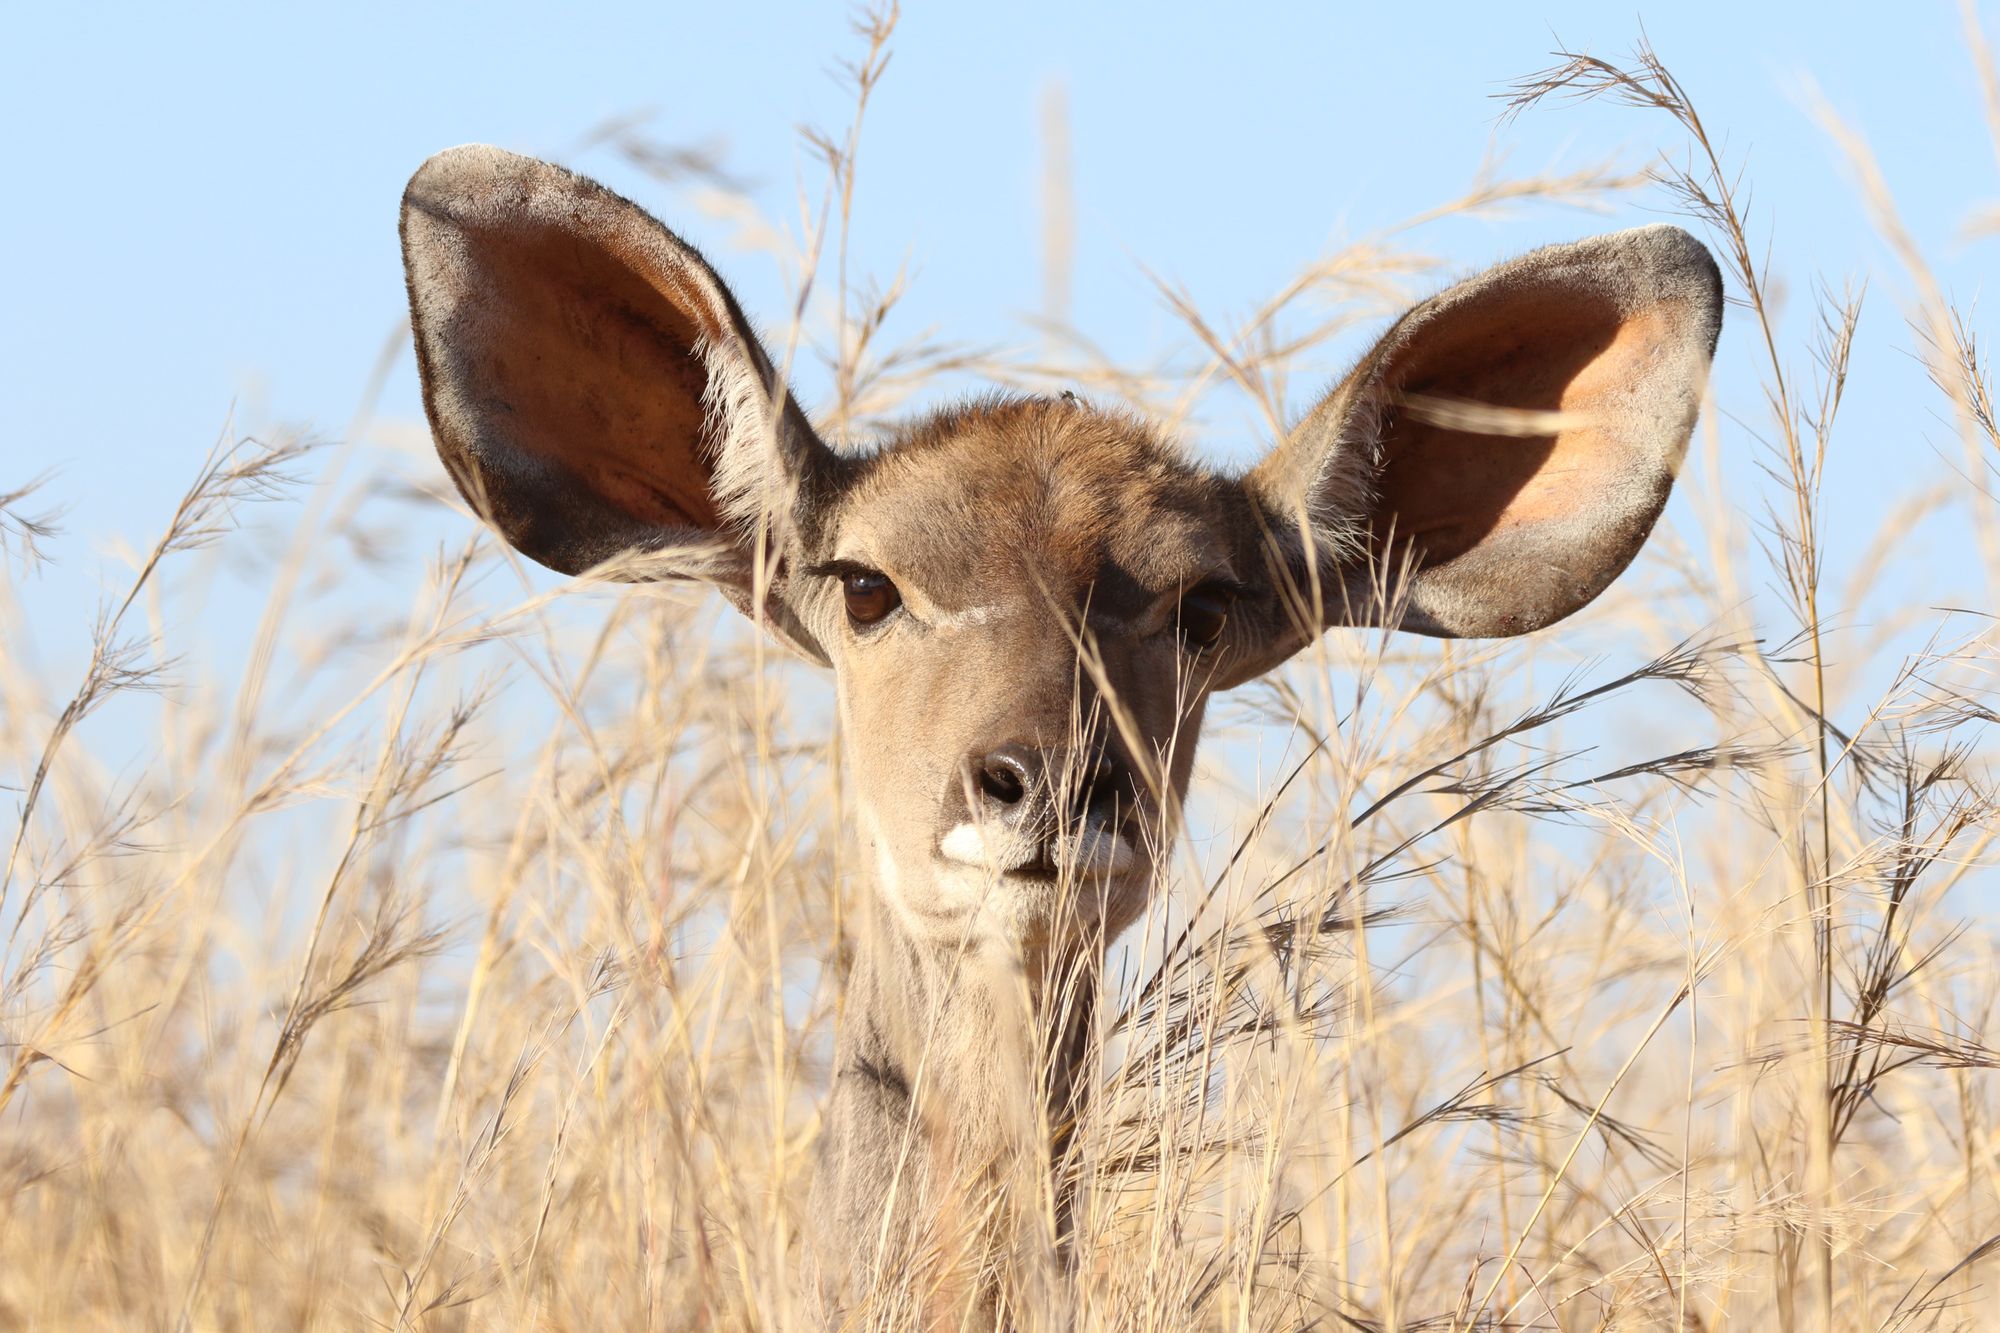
(956, 1070)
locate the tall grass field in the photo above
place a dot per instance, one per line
(469, 956)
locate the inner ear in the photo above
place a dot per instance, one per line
(1463, 454)
(602, 368)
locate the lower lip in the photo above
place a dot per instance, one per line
(1049, 875)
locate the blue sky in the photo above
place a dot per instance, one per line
(205, 196)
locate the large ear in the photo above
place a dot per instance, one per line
(591, 384)
(1499, 457)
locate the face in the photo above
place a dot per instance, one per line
(1025, 606)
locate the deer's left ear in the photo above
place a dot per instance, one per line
(1499, 457)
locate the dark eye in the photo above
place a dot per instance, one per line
(869, 594)
(1203, 613)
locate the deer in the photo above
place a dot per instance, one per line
(1026, 603)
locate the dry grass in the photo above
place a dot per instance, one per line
(475, 963)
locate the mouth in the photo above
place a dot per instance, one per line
(1089, 852)
(1043, 869)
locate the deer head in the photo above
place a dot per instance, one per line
(1026, 602)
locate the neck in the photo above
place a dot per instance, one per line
(956, 1076)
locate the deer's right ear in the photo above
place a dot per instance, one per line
(593, 388)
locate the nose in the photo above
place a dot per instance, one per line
(1015, 780)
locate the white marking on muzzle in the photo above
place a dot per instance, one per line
(993, 847)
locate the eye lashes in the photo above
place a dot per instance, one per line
(838, 569)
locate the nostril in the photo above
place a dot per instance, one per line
(1003, 777)
(1099, 787)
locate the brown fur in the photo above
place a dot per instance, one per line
(1488, 468)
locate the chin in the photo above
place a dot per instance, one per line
(1079, 909)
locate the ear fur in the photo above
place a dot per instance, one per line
(591, 385)
(1501, 454)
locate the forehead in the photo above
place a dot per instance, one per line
(1008, 495)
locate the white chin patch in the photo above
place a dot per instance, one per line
(994, 848)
